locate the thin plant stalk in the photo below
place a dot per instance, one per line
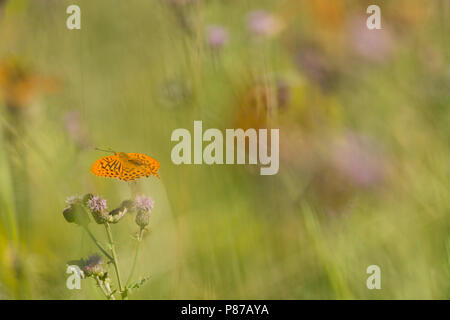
(98, 244)
(108, 289)
(115, 259)
(104, 289)
(139, 239)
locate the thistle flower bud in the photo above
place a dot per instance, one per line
(98, 208)
(142, 218)
(86, 198)
(93, 266)
(69, 215)
(144, 206)
(128, 204)
(74, 212)
(115, 215)
(80, 264)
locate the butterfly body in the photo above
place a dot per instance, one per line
(126, 166)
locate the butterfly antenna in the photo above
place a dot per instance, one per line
(105, 150)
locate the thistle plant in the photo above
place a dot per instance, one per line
(82, 211)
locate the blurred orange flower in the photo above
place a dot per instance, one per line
(19, 85)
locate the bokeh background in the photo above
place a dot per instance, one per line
(364, 145)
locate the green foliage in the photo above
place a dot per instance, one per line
(134, 73)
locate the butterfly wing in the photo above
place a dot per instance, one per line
(109, 166)
(139, 165)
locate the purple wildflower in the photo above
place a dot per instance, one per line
(144, 203)
(93, 266)
(216, 36)
(97, 204)
(262, 23)
(373, 45)
(73, 124)
(359, 161)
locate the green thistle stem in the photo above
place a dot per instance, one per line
(98, 244)
(115, 260)
(139, 238)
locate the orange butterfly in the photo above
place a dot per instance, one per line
(126, 166)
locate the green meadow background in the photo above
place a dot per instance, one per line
(364, 120)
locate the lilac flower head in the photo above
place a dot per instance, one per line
(97, 204)
(216, 36)
(144, 203)
(261, 23)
